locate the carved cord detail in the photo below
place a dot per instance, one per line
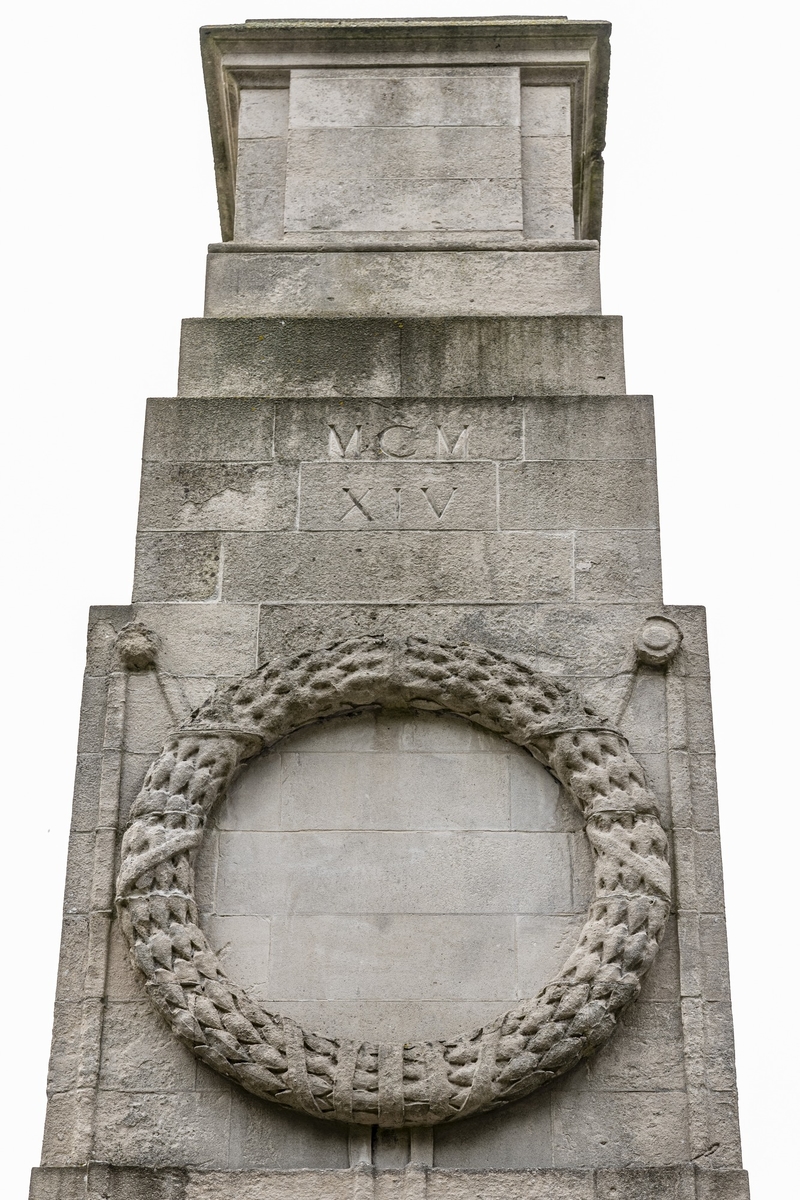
(416, 1083)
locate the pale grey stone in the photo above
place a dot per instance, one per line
(260, 189)
(609, 427)
(72, 957)
(85, 792)
(708, 868)
(346, 495)
(544, 943)
(713, 1184)
(391, 1020)
(704, 791)
(719, 1049)
(645, 1055)
(549, 216)
(637, 1128)
(163, 1128)
(105, 623)
(724, 1149)
(391, 956)
(270, 1185)
(93, 714)
(510, 1185)
(623, 565)
(398, 97)
(62, 1071)
(518, 1137)
(123, 982)
(384, 566)
(713, 957)
(177, 566)
(263, 112)
(225, 431)
(266, 1136)
(201, 496)
(65, 1113)
(647, 1183)
(402, 284)
(545, 112)
(58, 1183)
(443, 871)
(546, 169)
(698, 715)
(645, 718)
(406, 431)
(429, 178)
(243, 946)
(578, 495)
(204, 639)
(140, 1053)
(80, 870)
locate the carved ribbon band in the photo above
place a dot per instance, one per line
(416, 1083)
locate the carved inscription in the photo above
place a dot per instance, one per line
(397, 495)
(399, 441)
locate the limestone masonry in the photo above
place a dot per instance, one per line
(394, 870)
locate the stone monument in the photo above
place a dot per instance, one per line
(394, 869)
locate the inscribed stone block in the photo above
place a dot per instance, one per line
(409, 431)
(339, 496)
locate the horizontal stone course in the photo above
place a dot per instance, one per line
(465, 356)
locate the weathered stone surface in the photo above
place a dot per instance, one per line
(199, 496)
(578, 495)
(182, 566)
(467, 356)
(229, 430)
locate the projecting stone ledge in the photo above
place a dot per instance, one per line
(99, 1180)
(412, 282)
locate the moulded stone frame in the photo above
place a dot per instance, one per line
(548, 52)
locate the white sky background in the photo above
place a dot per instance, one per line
(110, 202)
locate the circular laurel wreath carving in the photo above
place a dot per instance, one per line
(416, 1083)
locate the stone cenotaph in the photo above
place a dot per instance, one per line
(394, 869)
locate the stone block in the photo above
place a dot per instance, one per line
(390, 1020)
(513, 356)
(399, 97)
(58, 1183)
(177, 566)
(270, 1185)
(73, 957)
(160, 1129)
(380, 566)
(260, 186)
(210, 496)
(346, 358)
(263, 113)
(648, 1129)
(140, 1052)
(647, 1183)
(644, 1055)
(714, 976)
(217, 639)
(644, 721)
(133, 770)
(243, 946)
(423, 178)
(267, 1136)
(279, 357)
(549, 216)
(80, 873)
(596, 427)
(123, 982)
(379, 871)
(721, 1185)
(519, 1136)
(623, 565)
(86, 792)
(409, 431)
(93, 714)
(357, 496)
(510, 1185)
(545, 112)
(544, 943)
(384, 955)
(702, 771)
(228, 430)
(662, 981)
(724, 1146)
(546, 169)
(698, 715)
(708, 869)
(105, 622)
(407, 283)
(62, 1073)
(720, 1066)
(65, 1124)
(578, 495)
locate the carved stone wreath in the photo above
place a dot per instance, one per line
(416, 1083)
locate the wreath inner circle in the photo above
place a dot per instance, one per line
(414, 1083)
